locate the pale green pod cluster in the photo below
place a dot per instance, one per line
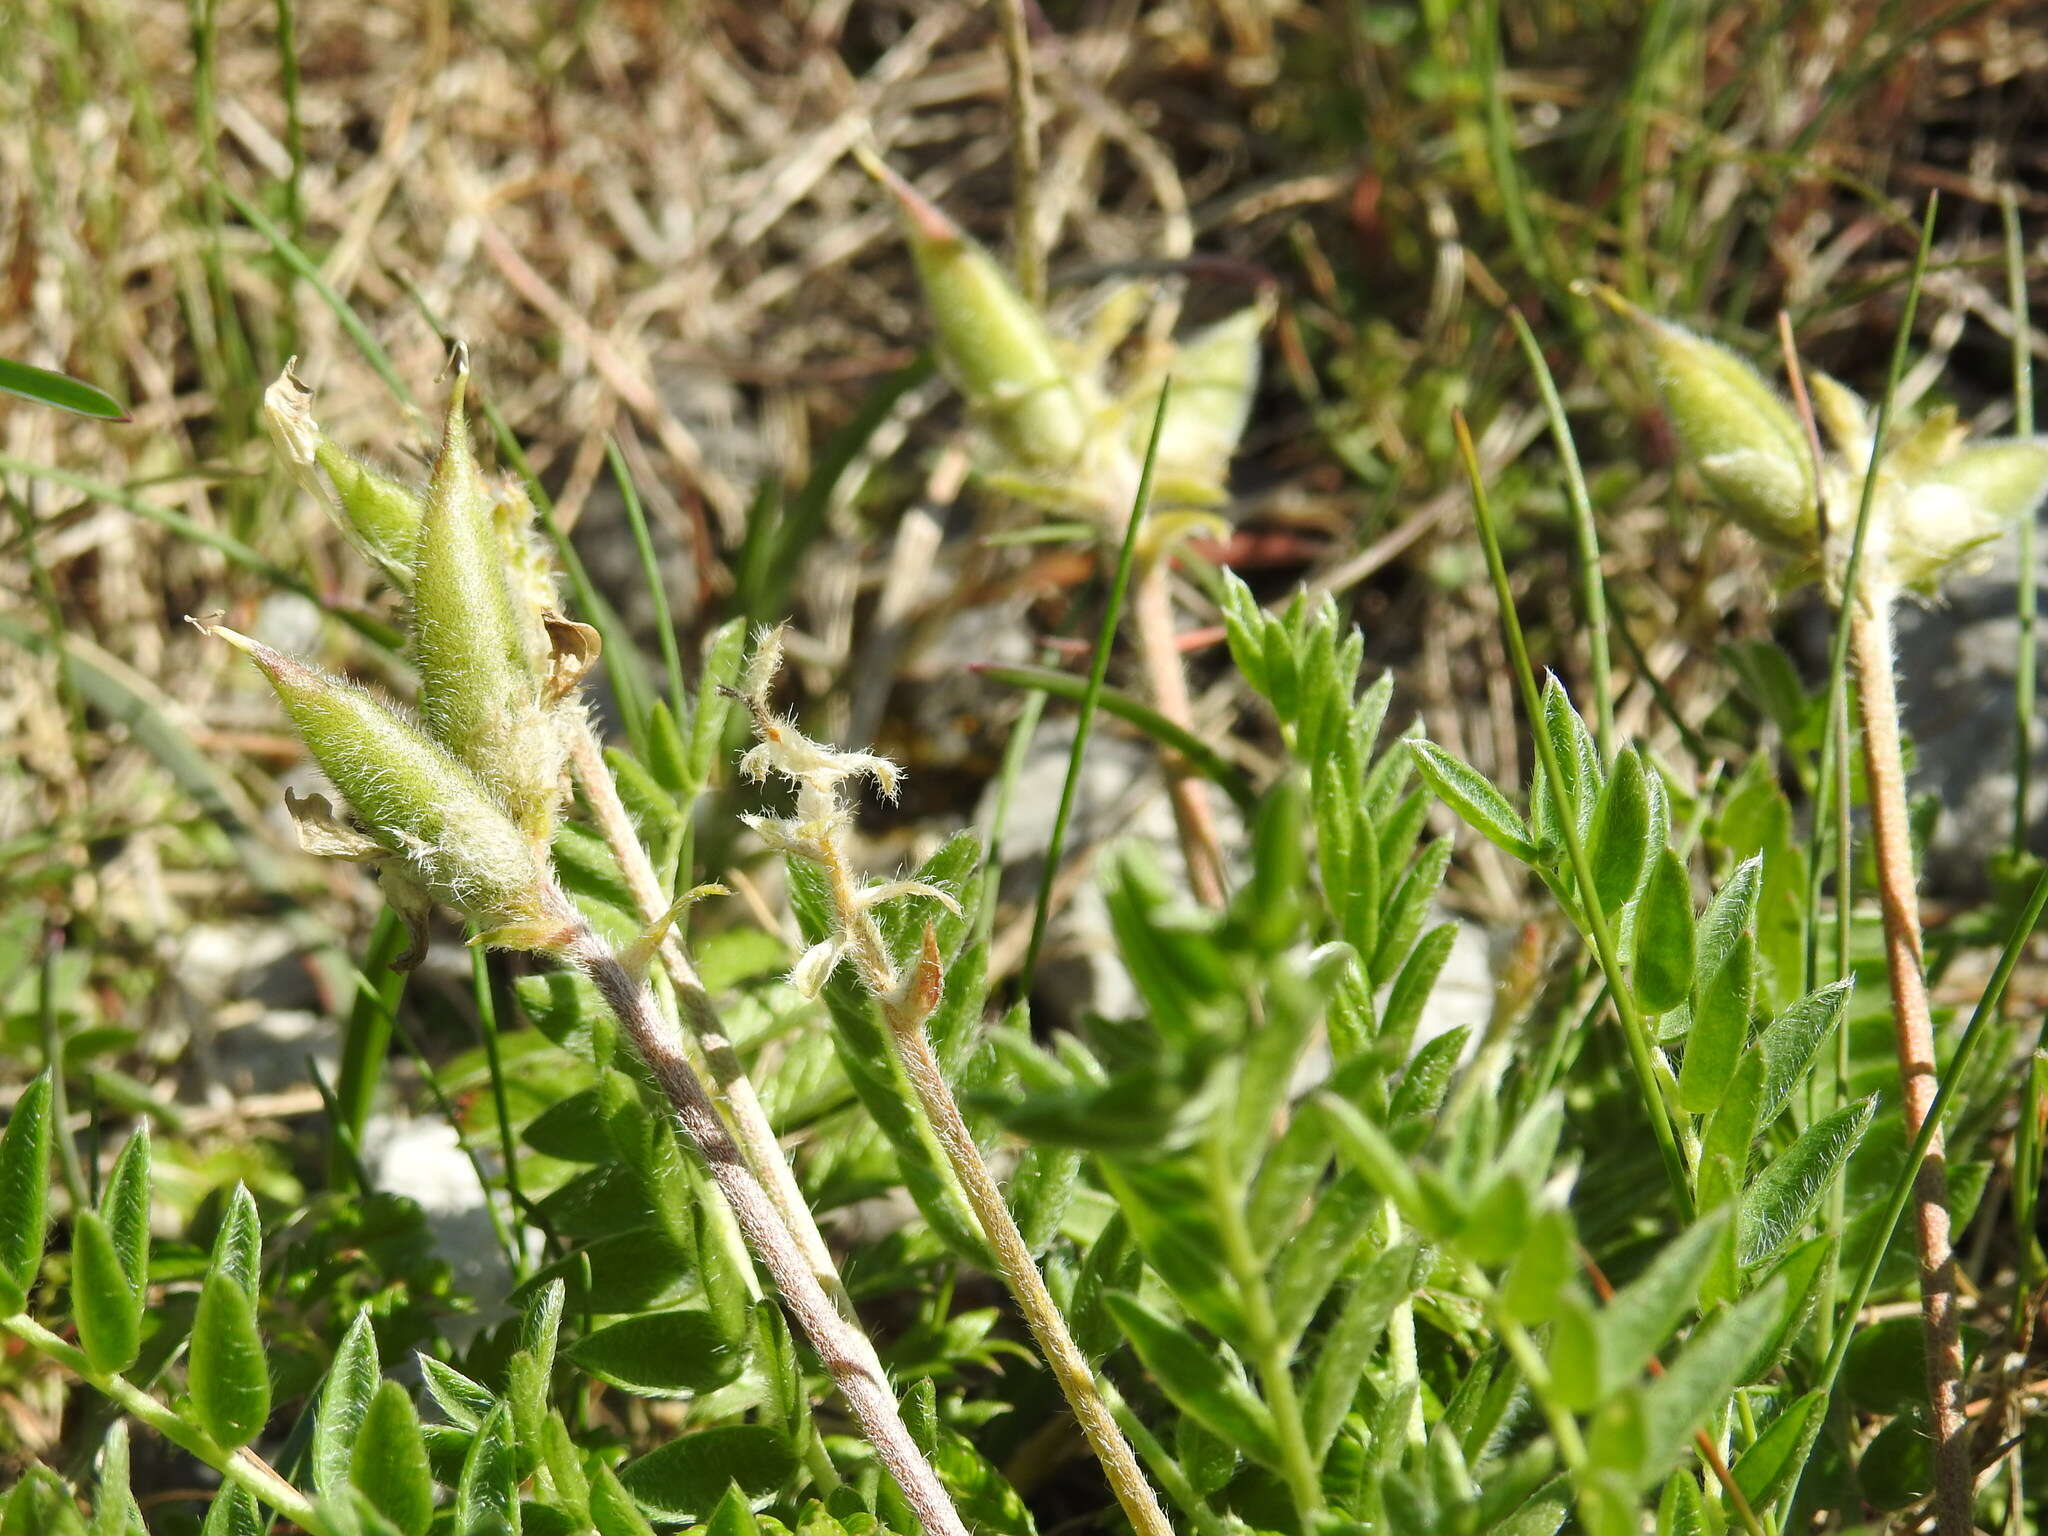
(481, 646)
(431, 825)
(460, 803)
(1933, 497)
(1215, 380)
(1962, 503)
(992, 341)
(1058, 434)
(1735, 429)
(378, 513)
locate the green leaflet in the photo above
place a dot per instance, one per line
(105, 1302)
(1194, 1376)
(388, 1462)
(227, 1373)
(24, 1191)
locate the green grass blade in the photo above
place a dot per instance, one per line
(58, 389)
(776, 549)
(650, 570)
(1634, 1030)
(1091, 696)
(288, 251)
(2027, 588)
(239, 554)
(1202, 757)
(1592, 586)
(365, 1046)
(1952, 1073)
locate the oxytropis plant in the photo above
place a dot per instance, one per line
(457, 804)
(1051, 430)
(1877, 512)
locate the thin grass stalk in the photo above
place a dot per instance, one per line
(2027, 588)
(1098, 669)
(2025, 1191)
(2026, 1159)
(1634, 1030)
(1497, 130)
(376, 631)
(1831, 771)
(1592, 588)
(1696, 744)
(365, 1045)
(488, 995)
(650, 571)
(1167, 734)
(294, 126)
(1831, 791)
(1024, 155)
(1851, 573)
(501, 1229)
(344, 313)
(844, 1349)
(1904, 1184)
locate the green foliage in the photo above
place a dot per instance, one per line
(26, 382)
(1339, 1257)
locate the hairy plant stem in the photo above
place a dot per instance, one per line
(1870, 622)
(1152, 628)
(734, 1089)
(243, 1467)
(844, 1349)
(906, 1003)
(1161, 1461)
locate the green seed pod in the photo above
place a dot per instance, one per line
(1842, 414)
(480, 675)
(529, 568)
(1961, 504)
(1744, 440)
(436, 819)
(378, 514)
(1215, 376)
(992, 341)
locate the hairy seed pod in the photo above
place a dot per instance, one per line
(529, 568)
(480, 674)
(1743, 439)
(992, 341)
(1961, 504)
(379, 514)
(435, 817)
(1215, 375)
